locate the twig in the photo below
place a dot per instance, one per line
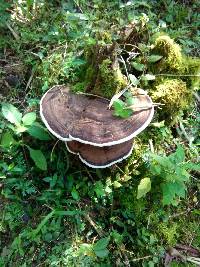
(30, 80)
(137, 259)
(78, 6)
(144, 107)
(51, 156)
(178, 75)
(197, 97)
(99, 231)
(89, 174)
(184, 133)
(135, 46)
(184, 212)
(124, 63)
(117, 96)
(194, 260)
(81, 93)
(16, 36)
(151, 145)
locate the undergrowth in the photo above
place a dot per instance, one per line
(54, 210)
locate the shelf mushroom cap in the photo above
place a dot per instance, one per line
(100, 157)
(88, 120)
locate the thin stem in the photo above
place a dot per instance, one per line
(51, 156)
(178, 75)
(81, 93)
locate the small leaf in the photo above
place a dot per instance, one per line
(144, 187)
(133, 79)
(102, 253)
(117, 96)
(158, 124)
(99, 189)
(36, 130)
(154, 58)
(29, 118)
(123, 113)
(116, 184)
(101, 244)
(7, 140)
(75, 194)
(39, 158)
(118, 104)
(11, 113)
(148, 77)
(179, 155)
(120, 110)
(138, 66)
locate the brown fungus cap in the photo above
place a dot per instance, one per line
(89, 120)
(100, 157)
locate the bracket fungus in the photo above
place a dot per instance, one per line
(100, 157)
(101, 138)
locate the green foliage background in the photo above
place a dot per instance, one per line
(55, 211)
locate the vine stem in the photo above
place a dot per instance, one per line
(178, 75)
(51, 156)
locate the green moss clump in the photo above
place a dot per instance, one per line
(110, 80)
(172, 60)
(106, 82)
(129, 202)
(175, 96)
(83, 85)
(169, 233)
(193, 68)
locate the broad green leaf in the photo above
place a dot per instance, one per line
(123, 113)
(163, 161)
(75, 194)
(118, 238)
(39, 159)
(181, 173)
(29, 118)
(133, 79)
(116, 184)
(99, 189)
(148, 77)
(179, 155)
(154, 58)
(102, 253)
(120, 110)
(36, 130)
(144, 187)
(138, 66)
(7, 140)
(155, 169)
(118, 104)
(172, 190)
(11, 113)
(86, 249)
(168, 194)
(101, 244)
